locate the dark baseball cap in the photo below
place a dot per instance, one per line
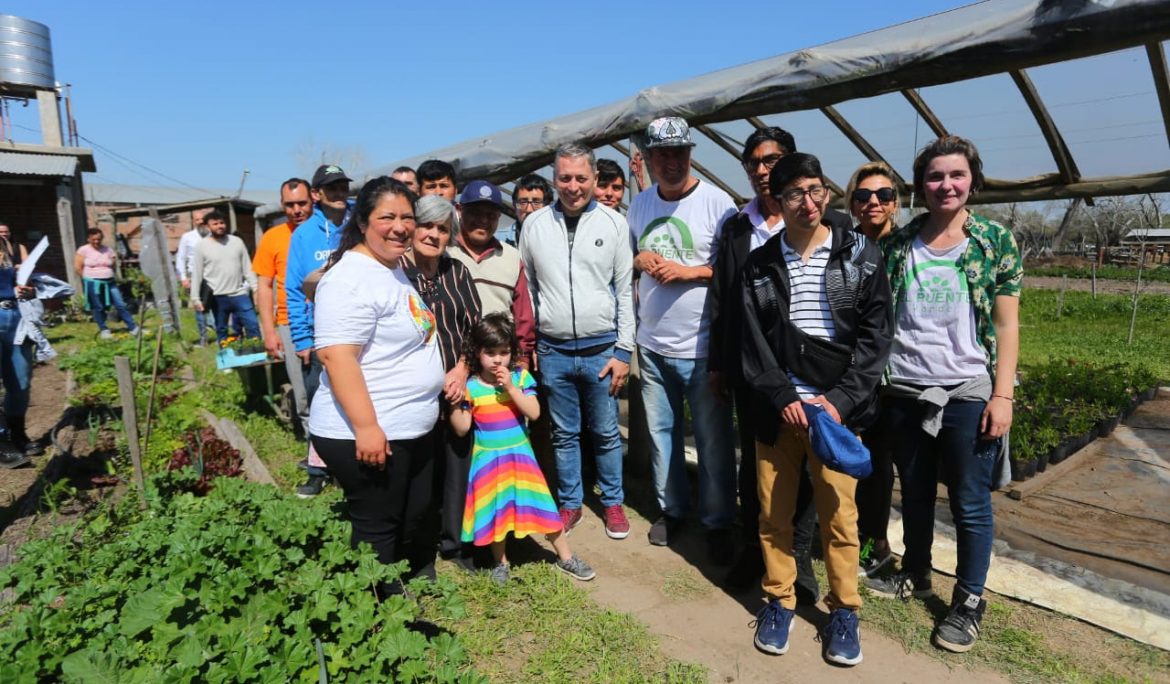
(329, 173)
(481, 191)
(668, 131)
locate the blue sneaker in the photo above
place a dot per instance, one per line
(773, 624)
(841, 638)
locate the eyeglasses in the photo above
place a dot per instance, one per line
(794, 197)
(534, 203)
(884, 195)
(752, 163)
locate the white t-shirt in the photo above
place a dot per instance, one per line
(935, 342)
(360, 301)
(672, 318)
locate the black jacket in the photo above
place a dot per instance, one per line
(725, 294)
(859, 298)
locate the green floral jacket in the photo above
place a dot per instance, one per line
(992, 263)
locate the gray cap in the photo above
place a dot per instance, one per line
(668, 131)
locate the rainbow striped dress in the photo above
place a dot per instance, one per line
(506, 492)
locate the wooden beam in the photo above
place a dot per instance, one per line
(999, 192)
(919, 105)
(1060, 154)
(858, 139)
(1161, 81)
(757, 122)
(719, 140)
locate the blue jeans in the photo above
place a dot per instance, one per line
(16, 365)
(241, 306)
(966, 464)
(101, 294)
(574, 389)
(666, 382)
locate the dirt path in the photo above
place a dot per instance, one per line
(1103, 286)
(45, 407)
(673, 591)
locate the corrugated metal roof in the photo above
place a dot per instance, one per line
(117, 193)
(22, 164)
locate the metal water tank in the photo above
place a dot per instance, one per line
(26, 57)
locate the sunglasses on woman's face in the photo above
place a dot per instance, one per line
(884, 195)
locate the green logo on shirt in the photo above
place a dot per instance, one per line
(668, 237)
(941, 284)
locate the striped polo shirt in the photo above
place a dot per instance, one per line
(808, 303)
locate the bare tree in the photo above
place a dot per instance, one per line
(1150, 212)
(1112, 219)
(310, 154)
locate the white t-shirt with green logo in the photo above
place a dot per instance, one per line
(935, 342)
(672, 320)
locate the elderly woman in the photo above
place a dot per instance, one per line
(449, 291)
(94, 262)
(873, 202)
(374, 413)
(955, 278)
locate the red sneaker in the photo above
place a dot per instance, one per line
(616, 525)
(569, 518)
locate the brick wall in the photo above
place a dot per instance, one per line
(31, 212)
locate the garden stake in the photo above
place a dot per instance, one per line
(1093, 266)
(130, 421)
(153, 384)
(321, 669)
(1060, 300)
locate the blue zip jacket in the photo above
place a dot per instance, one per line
(311, 244)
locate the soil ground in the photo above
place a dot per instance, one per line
(1103, 286)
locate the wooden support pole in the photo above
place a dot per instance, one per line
(927, 114)
(1060, 153)
(1060, 299)
(860, 142)
(1161, 75)
(130, 419)
(153, 384)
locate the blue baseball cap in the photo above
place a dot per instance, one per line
(481, 191)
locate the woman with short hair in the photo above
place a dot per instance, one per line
(448, 289)
(956, 279)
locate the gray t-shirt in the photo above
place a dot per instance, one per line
(936, 342)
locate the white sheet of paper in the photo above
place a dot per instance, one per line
(26, 269)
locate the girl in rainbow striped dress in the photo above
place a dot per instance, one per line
(506, 492)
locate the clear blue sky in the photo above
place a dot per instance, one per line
(202, 90)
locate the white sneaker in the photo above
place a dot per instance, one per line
(106, 335)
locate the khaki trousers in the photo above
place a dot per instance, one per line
(778, 467)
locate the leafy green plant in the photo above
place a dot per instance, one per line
(236, 586)
(1151, 273)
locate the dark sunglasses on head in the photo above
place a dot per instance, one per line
(884, 195)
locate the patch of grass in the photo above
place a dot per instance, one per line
(1025, 642)
(685, 584)
(1095, 329)
(540, 627)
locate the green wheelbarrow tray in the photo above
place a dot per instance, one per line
(267, 379)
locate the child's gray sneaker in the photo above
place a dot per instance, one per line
(500, 573)
(576, 568)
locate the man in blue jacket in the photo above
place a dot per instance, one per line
(310, 247)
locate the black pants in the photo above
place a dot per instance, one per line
(451, 474)
(875, 492)
(392, 508)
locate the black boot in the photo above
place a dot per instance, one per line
(959, 630)
(20, 438)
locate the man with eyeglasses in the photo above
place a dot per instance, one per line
(747, 230)
(674, 226)
(817, 330)
(532, 192)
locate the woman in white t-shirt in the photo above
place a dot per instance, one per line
(372, 416)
